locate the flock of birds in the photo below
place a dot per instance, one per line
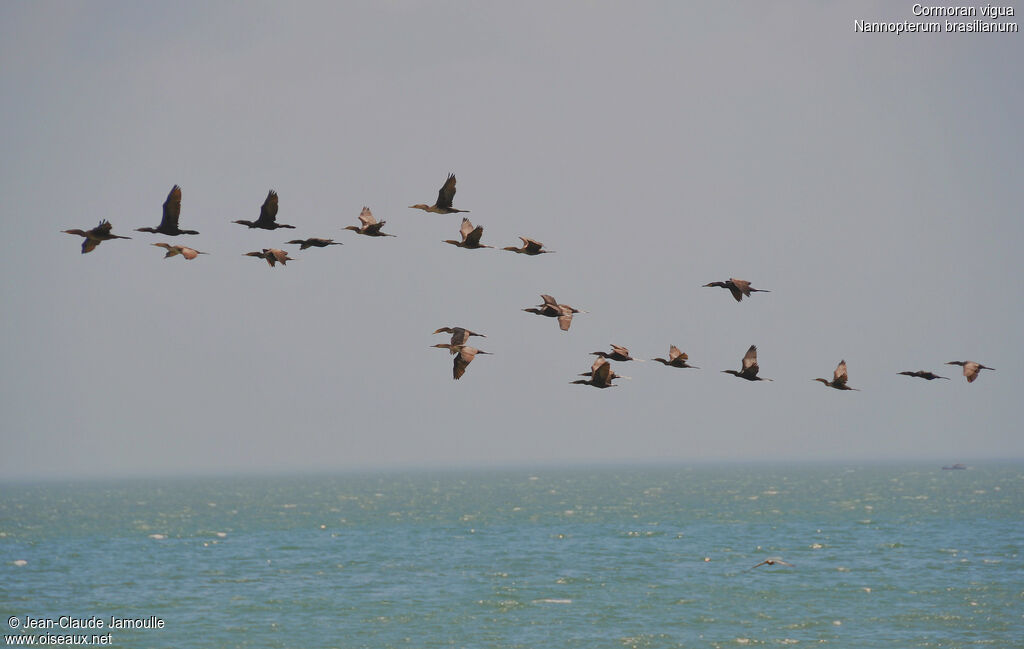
(600, 375)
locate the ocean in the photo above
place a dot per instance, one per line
(884, 555)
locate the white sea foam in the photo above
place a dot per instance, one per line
(19, 562)
(552, 600)
(158, 537)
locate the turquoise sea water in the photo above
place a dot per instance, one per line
(883, 556)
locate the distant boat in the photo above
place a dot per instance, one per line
(955, 467)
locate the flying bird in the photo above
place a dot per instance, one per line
(749, 369)
(184, 251)
(552, 309)
(272, 255)
(369, 226)
(618, 353)
(530, 247)
(169, 221)
(738, 287)
(971, 369)
(921, 374)
(470, 236)
(771, 562)
(460, 336)
(463, 358)
(268, 215)
(838, 378)
(314, 242)
(676, 358)
(95, 236)
(445, 195)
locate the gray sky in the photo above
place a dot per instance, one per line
(870, 181)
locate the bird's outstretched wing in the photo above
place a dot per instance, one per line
(602, 374)
(269, 210)
(565, 321)
(172, 209)
(465, 229)
(531, 246)
(742, 285)
(462, 361)
(375, 229)
(839, 376)
(366, 217)
(750, 360)
(446, 194)
(473, 238)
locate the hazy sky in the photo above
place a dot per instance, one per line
(872, 182)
